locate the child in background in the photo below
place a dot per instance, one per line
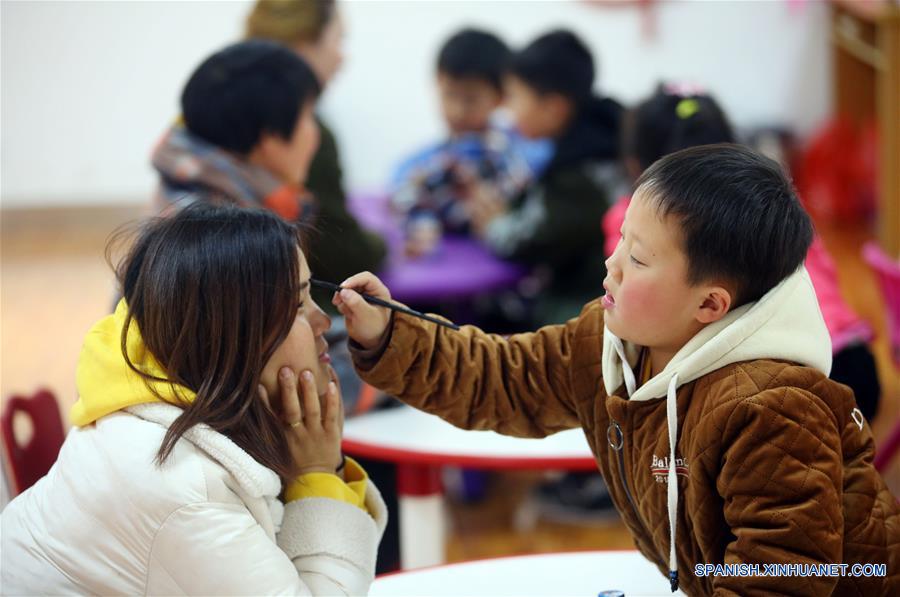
(679, 116)
(246, 136)
(699, 379)
(675, 117)
(553, 224)
(437, 181)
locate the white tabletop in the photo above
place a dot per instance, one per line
(405, 434)
(578, 573)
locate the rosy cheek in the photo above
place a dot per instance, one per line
(638, 297)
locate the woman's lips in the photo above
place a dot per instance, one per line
(324, 356)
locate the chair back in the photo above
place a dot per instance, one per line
(30, 460)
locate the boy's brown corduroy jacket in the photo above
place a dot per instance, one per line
(773, 462)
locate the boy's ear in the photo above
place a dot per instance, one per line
(716, 303)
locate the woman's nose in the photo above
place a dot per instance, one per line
(322, 322)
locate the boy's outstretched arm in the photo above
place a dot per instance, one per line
(521, 386)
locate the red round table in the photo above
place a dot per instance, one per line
(420, 444)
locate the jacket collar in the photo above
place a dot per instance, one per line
(254, 479)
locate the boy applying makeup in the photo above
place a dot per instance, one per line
(699, 378)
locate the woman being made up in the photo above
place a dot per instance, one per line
(205, 454)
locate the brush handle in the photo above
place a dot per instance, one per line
(383, 303)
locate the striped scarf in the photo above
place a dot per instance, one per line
(191, 169)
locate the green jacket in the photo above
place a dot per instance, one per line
(338, 247)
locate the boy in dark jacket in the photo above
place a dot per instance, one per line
(555, 224)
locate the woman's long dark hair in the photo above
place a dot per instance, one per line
(214, 290)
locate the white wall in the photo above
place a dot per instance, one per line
(88, 87)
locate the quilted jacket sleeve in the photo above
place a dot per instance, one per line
(781, 485)
(324, 547)
(520, 386)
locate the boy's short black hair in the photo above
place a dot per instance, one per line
(474, 54)
(245, 90)
(669, 121)
(740, 218)
(556, 62)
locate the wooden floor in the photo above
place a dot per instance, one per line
(55, 283)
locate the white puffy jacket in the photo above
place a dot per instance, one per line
(107, 520)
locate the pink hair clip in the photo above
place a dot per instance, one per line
(684, 89)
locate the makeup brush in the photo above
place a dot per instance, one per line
(382, 303)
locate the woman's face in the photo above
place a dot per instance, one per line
(326, 54)
(305, 347)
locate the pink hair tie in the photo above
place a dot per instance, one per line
(684, 89)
